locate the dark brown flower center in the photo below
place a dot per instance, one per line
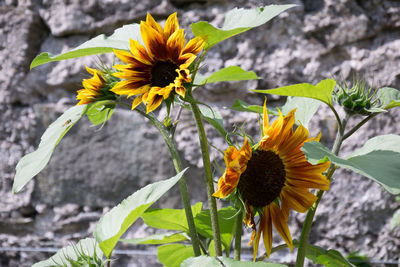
(263, 179)
(163, 73)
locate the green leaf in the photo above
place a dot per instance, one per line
(97, 45)
(203, 261)
(226, 219)
(85, 253)
(173, 255)
(32, 163)
(322, 91)
(233, 73)
(328, 258)
(114, 223)
(157, 239)
(358, 260)
(237, 20)
(378, 160)
(389, 97)
(170, 219)
(100, 112)
(240, 105)
(214, 118)
(395, 221)
(305, 108)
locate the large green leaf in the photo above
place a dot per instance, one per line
(203, 261)
(157, 239)
(328, 258)
(226, 219)
(378, 160)
(98, 45)
(322, 91)
(86, 254)
(114, 223)
(232, 73)
(305, 108)
(389, 97)
(173, 255)
(32, 163)
(100, 112)
(237, 20)
(170, 219)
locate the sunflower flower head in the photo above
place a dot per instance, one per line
(159, 69)
(272, 178)
(96, 88)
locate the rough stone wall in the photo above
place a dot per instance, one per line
(92, 170)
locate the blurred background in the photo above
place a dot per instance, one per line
(93, 169)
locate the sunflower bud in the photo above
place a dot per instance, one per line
(97, 88)
(358, 99)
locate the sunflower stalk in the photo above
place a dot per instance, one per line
(208, 172)
(167, 135)
(301, 252)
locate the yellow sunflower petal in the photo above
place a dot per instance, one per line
(267, 230)
(180, 90)
(153, 102)
(257, 238)
(175, 45)
(136, 102)
(299, 199)
(194, 46)
(171, 25)
(265, 118)
(154, 41)
(153, 24)
(280, 224)
(140, 52)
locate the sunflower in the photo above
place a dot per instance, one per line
(272, 178)
(154, 72)
(94, 89)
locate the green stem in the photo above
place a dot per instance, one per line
(358, 126)
(301, 252)
(238, 236)
(208, 173)
(182, 183)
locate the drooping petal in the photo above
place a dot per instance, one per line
(299, 199)
(267, 230)
(280, 224)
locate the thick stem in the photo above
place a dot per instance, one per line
(208, 173)
(182, 183)
(238, 236)
(301, 252)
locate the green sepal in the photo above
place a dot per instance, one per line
(100, 112)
